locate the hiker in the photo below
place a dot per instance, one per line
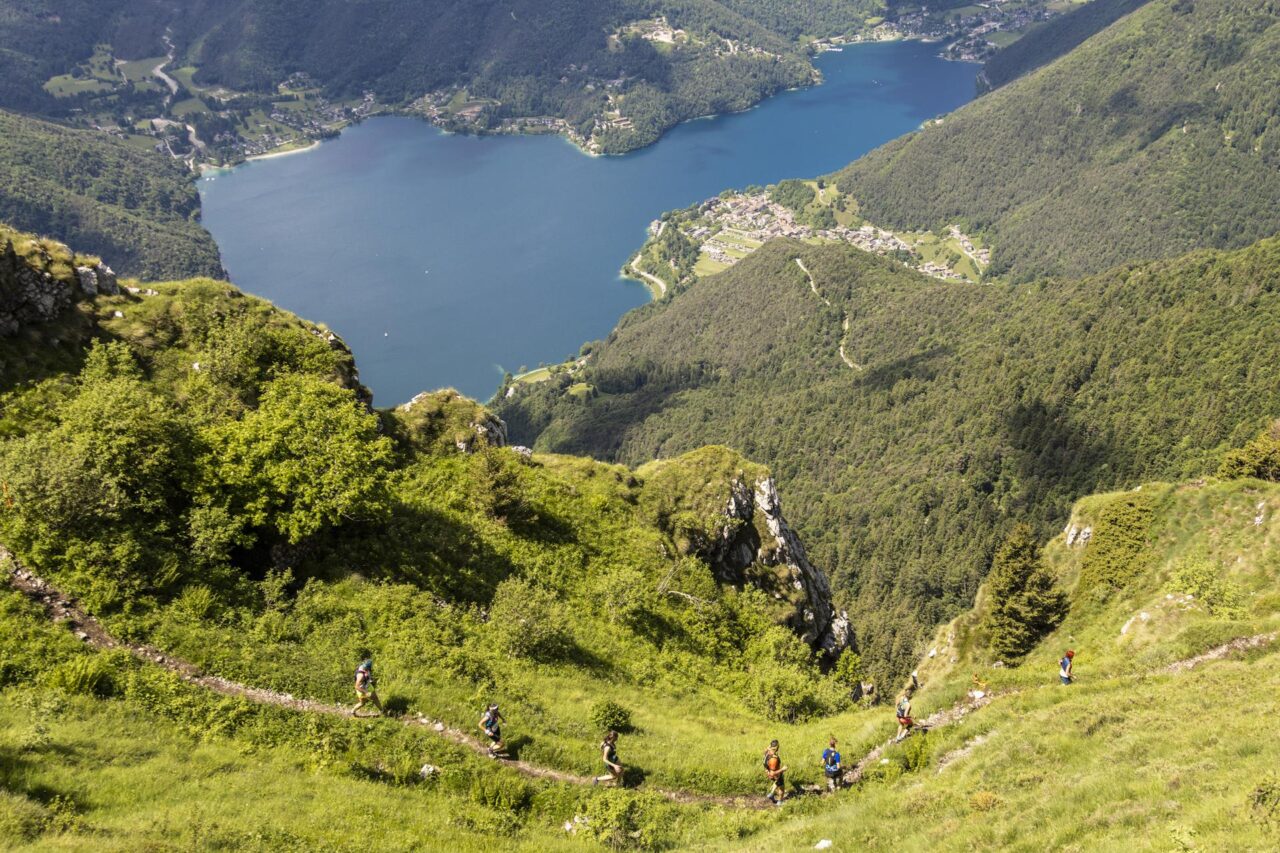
(775, 772)
(831, 766)
(904, 716)
(491, 725)
(365, 689)
(1064, 667)
(609, 752)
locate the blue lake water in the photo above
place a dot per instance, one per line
(443, 259)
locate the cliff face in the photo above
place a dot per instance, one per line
(726, 510)
(34, 287)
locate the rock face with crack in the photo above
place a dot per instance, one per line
(29, 295)
(726, 510)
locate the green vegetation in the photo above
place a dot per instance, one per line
(103, 196)
(1047, 42)
(1151, 139)
(977, 407)
(1024, 603)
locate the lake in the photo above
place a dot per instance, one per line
(444, 260)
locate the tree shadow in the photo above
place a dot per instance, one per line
(920, 365)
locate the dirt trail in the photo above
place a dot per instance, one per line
(652, 279)
(64, 610)
(813, 285)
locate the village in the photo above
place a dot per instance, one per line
(971, 33)
(728, 228)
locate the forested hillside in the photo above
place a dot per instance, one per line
(1051, 40)
(134, 207)
(1155, 137)
(960, 410)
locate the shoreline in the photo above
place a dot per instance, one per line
(272, 155)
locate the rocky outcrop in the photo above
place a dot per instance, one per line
(98, 279)
(755, 534)
(28, 295)
(816, 620)
(436, 419)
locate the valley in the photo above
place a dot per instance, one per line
(920, 491)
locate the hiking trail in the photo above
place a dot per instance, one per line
(64, 610)
(844, 327)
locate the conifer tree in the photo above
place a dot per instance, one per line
(1025, 602)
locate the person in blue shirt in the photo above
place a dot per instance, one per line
(1064, 667)
(831, 766)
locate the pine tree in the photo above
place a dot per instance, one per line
(1025, 602)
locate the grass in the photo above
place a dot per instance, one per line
(1154, 764)
(187, 107)
(139, 70)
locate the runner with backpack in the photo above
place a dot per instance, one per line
(491, 725)
(904, 716)
(365, 690)
(775, 772)
(831, 766)
(609, 752)
(1065, 667)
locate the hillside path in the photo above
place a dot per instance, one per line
(64, 610)
(813, 285)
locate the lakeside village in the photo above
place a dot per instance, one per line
(971, 33)
(723, 230)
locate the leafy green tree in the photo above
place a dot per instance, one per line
(308, 458)
(101, 492)
(1025, 602)
(1259, 458)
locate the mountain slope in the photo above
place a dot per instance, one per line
(1051, 40)
(1155, 137)
(134, 207)
(970, 408)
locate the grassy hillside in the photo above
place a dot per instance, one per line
(1155, 137)
(204, 474)
(970, 407)
(1142, 752)
(135, 208)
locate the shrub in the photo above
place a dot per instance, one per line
(622, 820)
(527, 620)
(608, 715)
(1259, 458)
(21, 819)
(1264, 802)
(1114, 555)
(87, 675)
(984, 801)
(1203, 579)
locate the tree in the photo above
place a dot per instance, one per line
(309, 457)
(1259, 458)
(1025, 602)
(98, 493)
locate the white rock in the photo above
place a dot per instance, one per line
(427, 771)
(823, 844)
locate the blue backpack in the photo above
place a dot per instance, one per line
(831, 760)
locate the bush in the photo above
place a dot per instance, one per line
(527, 620)
(608, 715)
(1203, 579)
(984, 801)
(87, 675)
(622, 820)
(1259, 458)
(1264, 802)
(1114, 556)
(21, 819)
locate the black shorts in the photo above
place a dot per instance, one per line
(494, 735)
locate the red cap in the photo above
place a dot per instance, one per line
(1070, 653)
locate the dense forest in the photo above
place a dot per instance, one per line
(976, 407)
(1157, 136)
(1056, 38)
(136, 208)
